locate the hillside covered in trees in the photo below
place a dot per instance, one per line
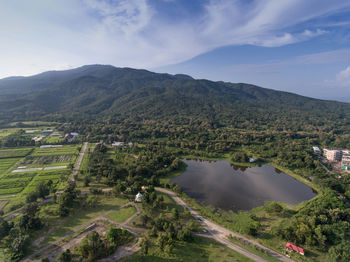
(107, 92)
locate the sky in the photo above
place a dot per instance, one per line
(299, 46)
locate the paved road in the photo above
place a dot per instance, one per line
(221, 234)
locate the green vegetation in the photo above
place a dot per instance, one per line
(200, 249)
(122, 214)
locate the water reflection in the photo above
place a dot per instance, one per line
(239, 188)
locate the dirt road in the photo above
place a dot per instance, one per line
(221, 234)
(53, 249)
(79, 160)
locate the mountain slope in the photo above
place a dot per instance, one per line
(103, 91)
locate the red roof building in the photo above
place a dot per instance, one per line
(291, 247)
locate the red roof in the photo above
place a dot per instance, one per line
(295, 248)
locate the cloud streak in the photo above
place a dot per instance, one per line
(38, 36)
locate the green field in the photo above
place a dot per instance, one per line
(122, 214)
(14, 152)
(199, 250)
(56, 226)
(53, 139)
(6, 132)
(6, 163)
(65, 150)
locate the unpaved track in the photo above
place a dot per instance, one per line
(57, 246)
(221, 234)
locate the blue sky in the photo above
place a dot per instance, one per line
(291, 45)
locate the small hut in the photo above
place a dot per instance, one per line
(138, 197)
(290, 247)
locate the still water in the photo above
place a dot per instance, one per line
(239, 188)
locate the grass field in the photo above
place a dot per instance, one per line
(53, 139)
(56, 226)
(64, 150)
(199, 250)
(123, 214)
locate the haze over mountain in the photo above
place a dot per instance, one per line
(105, 91)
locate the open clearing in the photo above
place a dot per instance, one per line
(122, 214)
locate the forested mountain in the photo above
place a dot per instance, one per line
(107, 91)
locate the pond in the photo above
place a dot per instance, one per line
(239, 188)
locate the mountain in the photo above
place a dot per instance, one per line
(105, 91)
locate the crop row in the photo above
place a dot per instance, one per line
(17, 152)
(65, 150)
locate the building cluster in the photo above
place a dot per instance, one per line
(45, 133)
(338, 155)
(122, 144)
(71, 136)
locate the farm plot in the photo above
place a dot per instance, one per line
(65, 150)
(13, 185)
(54, 176)
(6, 163)
(14, 152)
(7, 132)
(47, 160)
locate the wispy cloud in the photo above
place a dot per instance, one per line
(37, 35)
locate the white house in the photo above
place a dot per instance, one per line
(118, 143)
(138, 197)
(316, 149)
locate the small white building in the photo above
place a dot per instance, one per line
(32, 131)
(138, 197)
(252, 160)
(316, 149)
(118, 144)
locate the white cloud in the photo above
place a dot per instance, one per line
(38, 35)
(343, 77)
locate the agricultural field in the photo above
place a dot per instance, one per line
(53, 139)
(6, 163)
(6, 132)
(52, 160)
(38, 164)
(14, 152)
(65, 150)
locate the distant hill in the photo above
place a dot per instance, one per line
(105, 91)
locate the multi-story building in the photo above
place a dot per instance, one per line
(345, 161)
(333, 154)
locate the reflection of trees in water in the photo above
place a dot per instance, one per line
(241, 168)
(278, 171)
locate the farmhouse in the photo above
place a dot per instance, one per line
(290, 247)
(70, 137)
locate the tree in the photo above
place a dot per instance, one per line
(42, 189)
(5, 228)
(65, 256)
(32, 197)
(340, 252)
(144, 246)
(16, 243)
(175, 213)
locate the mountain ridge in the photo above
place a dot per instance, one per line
(107, 91)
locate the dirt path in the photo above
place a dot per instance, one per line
(79, 161)
(221, 234)
(52, 250)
